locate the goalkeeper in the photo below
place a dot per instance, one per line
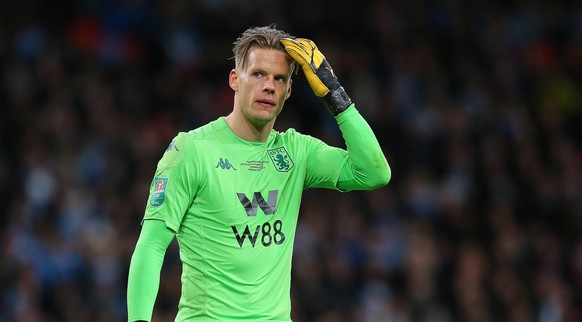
(230, 191)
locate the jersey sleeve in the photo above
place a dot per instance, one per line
(324, 164)
(366, 166)
(144, 270)
(362, 166)
(174, 184)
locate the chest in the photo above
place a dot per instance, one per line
(249, 182)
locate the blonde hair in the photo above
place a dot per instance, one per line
(262, 37)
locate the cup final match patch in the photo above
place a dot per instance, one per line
(159, 194)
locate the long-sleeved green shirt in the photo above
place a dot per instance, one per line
(233, 206)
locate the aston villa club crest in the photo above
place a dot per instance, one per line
(159, 193)
(281, 159)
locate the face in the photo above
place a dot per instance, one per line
(262, 87)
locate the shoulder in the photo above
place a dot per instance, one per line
(189, 139)
(206, 131)
(292, 136)
(186, 144)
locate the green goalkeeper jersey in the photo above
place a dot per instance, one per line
(233, 205)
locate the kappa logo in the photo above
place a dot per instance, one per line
(281, 159)
(225, 164)
(172, 147)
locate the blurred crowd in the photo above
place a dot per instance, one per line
(477, 105)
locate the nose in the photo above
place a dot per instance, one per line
(269, 85)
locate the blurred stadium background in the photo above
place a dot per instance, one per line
(477, 104)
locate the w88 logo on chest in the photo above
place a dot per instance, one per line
(268, 233)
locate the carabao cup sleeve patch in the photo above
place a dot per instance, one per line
(158, 195)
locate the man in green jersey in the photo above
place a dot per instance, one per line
(229, 191)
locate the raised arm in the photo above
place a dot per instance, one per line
(366, 167)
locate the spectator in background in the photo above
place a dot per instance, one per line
(480, 101)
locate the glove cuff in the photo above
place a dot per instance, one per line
(337, 101)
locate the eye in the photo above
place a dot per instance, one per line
(280, 79)
(258, 74)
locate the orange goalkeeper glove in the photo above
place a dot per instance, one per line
(319, 73)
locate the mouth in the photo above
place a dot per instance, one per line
(266, 103)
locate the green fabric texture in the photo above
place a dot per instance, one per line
(366, 167)
(144, 272)
(233, 206)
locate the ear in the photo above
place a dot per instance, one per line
(289, 89)
(233, 80)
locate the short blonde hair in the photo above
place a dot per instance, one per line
(262, 37)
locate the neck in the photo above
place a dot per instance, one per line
(247, 130)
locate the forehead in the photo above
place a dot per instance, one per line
(268, 58)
